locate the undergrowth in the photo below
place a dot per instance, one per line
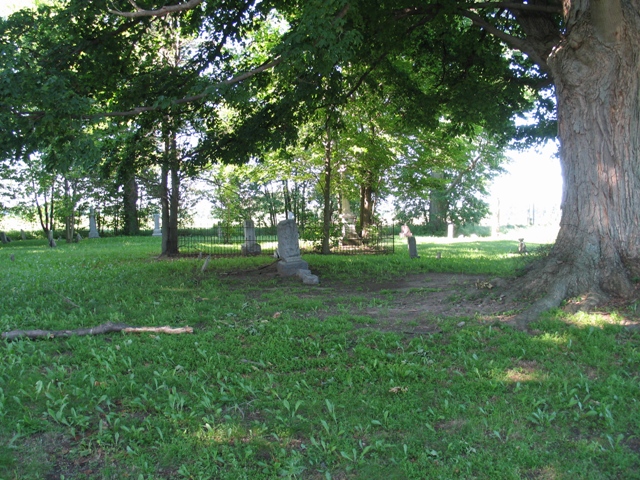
(266, 387)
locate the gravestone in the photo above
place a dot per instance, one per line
(156, 226)
(93, 231)
(405, 231)
(413, 249)
(289, 249)
(251, 245)
(78, 237)
(23, 235)
(52, 242)
(4, 238)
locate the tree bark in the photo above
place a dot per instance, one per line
(130, 206)
(595, 71)
(367, 204)
(327, 212)
(99, 330)
(170, 196)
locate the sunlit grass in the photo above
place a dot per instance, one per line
(274, 384)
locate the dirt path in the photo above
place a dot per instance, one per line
(411, 304)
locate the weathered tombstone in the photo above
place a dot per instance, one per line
(251, 245)
(156, 226)
(93, 231)
(12, 257)
(52, 242)
(289, 249)
(3, 238)
(405, 231)
(78, 237)
(413, 249)
(450, 230)
(23, 235)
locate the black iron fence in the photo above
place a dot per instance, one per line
(229, 240)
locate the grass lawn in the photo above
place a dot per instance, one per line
(282, 380)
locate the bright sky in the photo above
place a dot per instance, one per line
(9, 6)
(533, 175)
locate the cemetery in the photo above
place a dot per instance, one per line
(260, 240)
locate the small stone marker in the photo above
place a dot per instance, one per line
(307, 277)
(23, 235)
(289, 249)
(12, 257)
(405, 231)
(78, 238)
(52, 242)
(156, 226)
(93, 231)
(522, 247)
(251, 245)
(3, 238)
(206, 263)
(413, 249)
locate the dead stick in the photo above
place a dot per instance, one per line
(100, 329)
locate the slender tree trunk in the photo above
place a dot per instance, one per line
(287, 198)
(70, 207)
(367, 204)
(327, 211)
(130, 206)
(597, 253)
(170, 196)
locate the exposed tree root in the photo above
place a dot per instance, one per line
(553, 282)
(99, 330)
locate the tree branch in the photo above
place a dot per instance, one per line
(194, 98)
(161, 12)
(100, 329)
(514, 6)
(514, 42)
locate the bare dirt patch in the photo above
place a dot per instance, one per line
(410, 304)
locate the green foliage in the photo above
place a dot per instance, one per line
(284, 380)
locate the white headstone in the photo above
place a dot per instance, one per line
(156, 226)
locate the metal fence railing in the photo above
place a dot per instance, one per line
(229, 240)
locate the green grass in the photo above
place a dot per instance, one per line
(273, 384)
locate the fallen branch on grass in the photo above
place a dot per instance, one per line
(99, 330)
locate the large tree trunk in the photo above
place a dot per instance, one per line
(595, 72)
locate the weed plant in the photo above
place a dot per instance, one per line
(274, 385)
